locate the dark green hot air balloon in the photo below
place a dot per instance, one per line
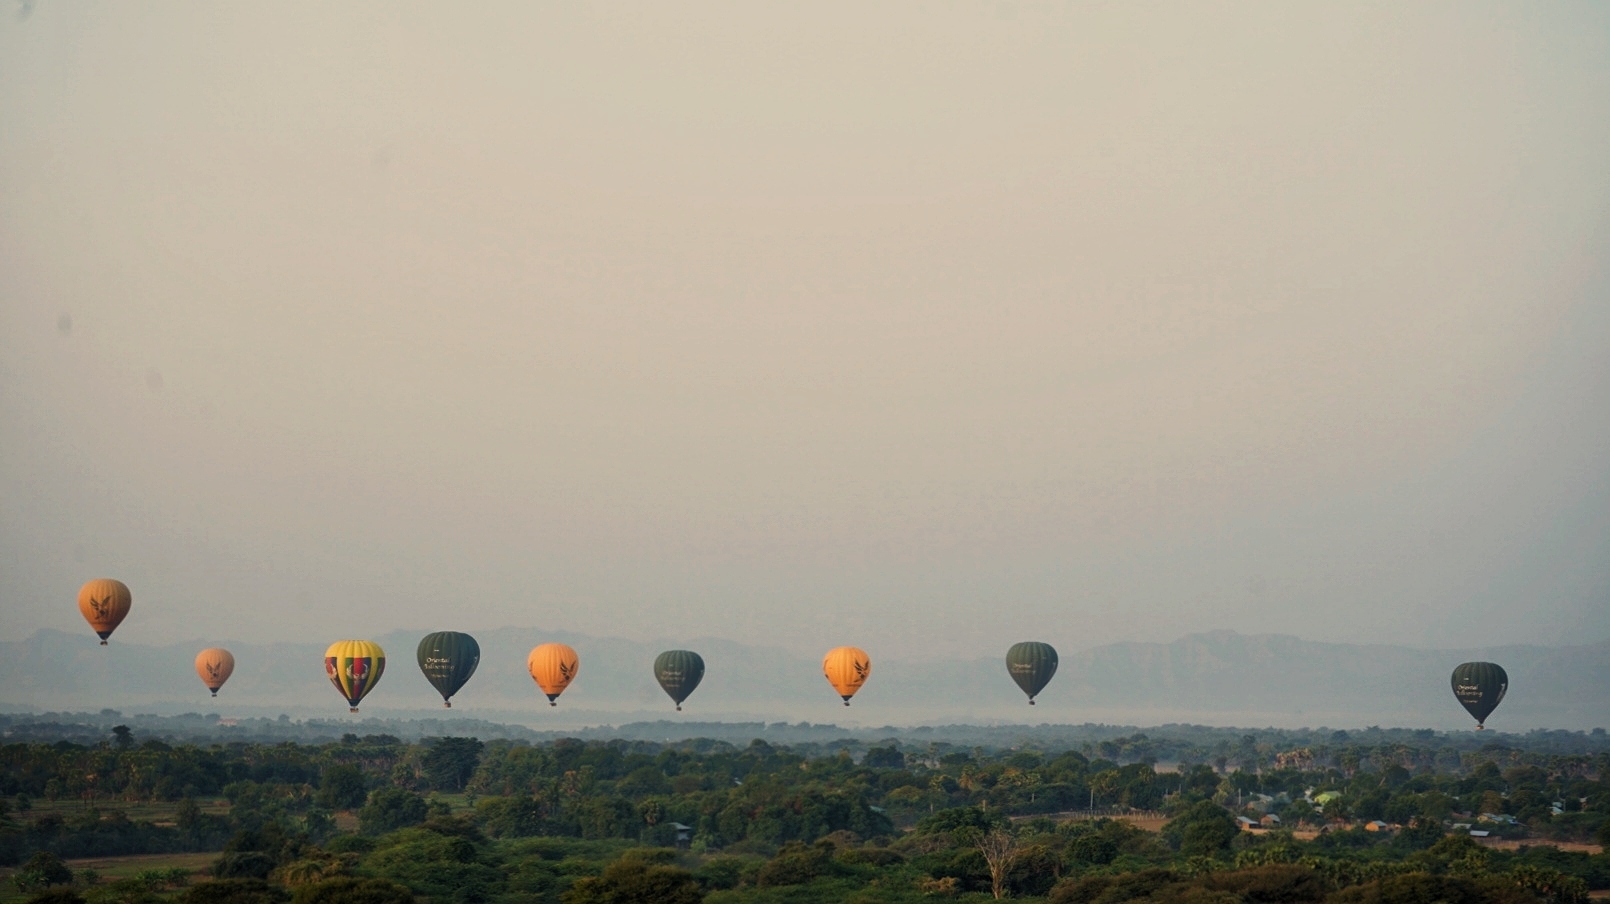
(448, 659)
(1480, 687)
(1031, 665)
(679, 672)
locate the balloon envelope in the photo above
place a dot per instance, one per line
(553, 666)
(1480, 687)
(104, 603)
(679, 672)
(1031, 664)
(354, 667)
(214, 665)
(846, 668)
(448, 659)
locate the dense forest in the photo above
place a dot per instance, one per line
(1249, 819)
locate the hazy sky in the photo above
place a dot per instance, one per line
(920, 326)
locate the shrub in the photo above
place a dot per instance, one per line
(636, 882)
(243, 865)
(1109, 889)
(57, 896)
(796, 864)
(124, 891)
(350, 844)
(1413, 888)
(347, 890)
(1280, 884)
(234, 891)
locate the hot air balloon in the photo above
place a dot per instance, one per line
(846, 668)
(354, 667)
(1480, 687)
(448, 659)
(104, 604)
(553, 666)
(679, 672)
(214, 665)
(1031, 664)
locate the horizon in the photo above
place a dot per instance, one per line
(1215, 678)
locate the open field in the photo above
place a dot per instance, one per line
(159, 812)
(114, 868)
(119, 867)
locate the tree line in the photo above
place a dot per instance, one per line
(456, 818)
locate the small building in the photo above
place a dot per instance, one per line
(1246, 824)
(684, 835)
(1375, 825)
(1270, 821)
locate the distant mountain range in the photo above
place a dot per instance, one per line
(1218, 678)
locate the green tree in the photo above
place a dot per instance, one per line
(631, 881)
(390, 809)
(449, 762)
(187, 816)
(796, 864)
(342, 787)
(42, 870)
(1205, 829)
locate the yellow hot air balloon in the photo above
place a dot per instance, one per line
(846, 668)
(553, 666)
(214, 665)
(354, 667)
(104, 604)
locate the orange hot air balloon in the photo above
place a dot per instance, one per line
(846, 668)
(104, 604)
(214, 665)
(553, 666)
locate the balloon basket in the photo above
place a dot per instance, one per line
(353, 710)
(447, 704)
